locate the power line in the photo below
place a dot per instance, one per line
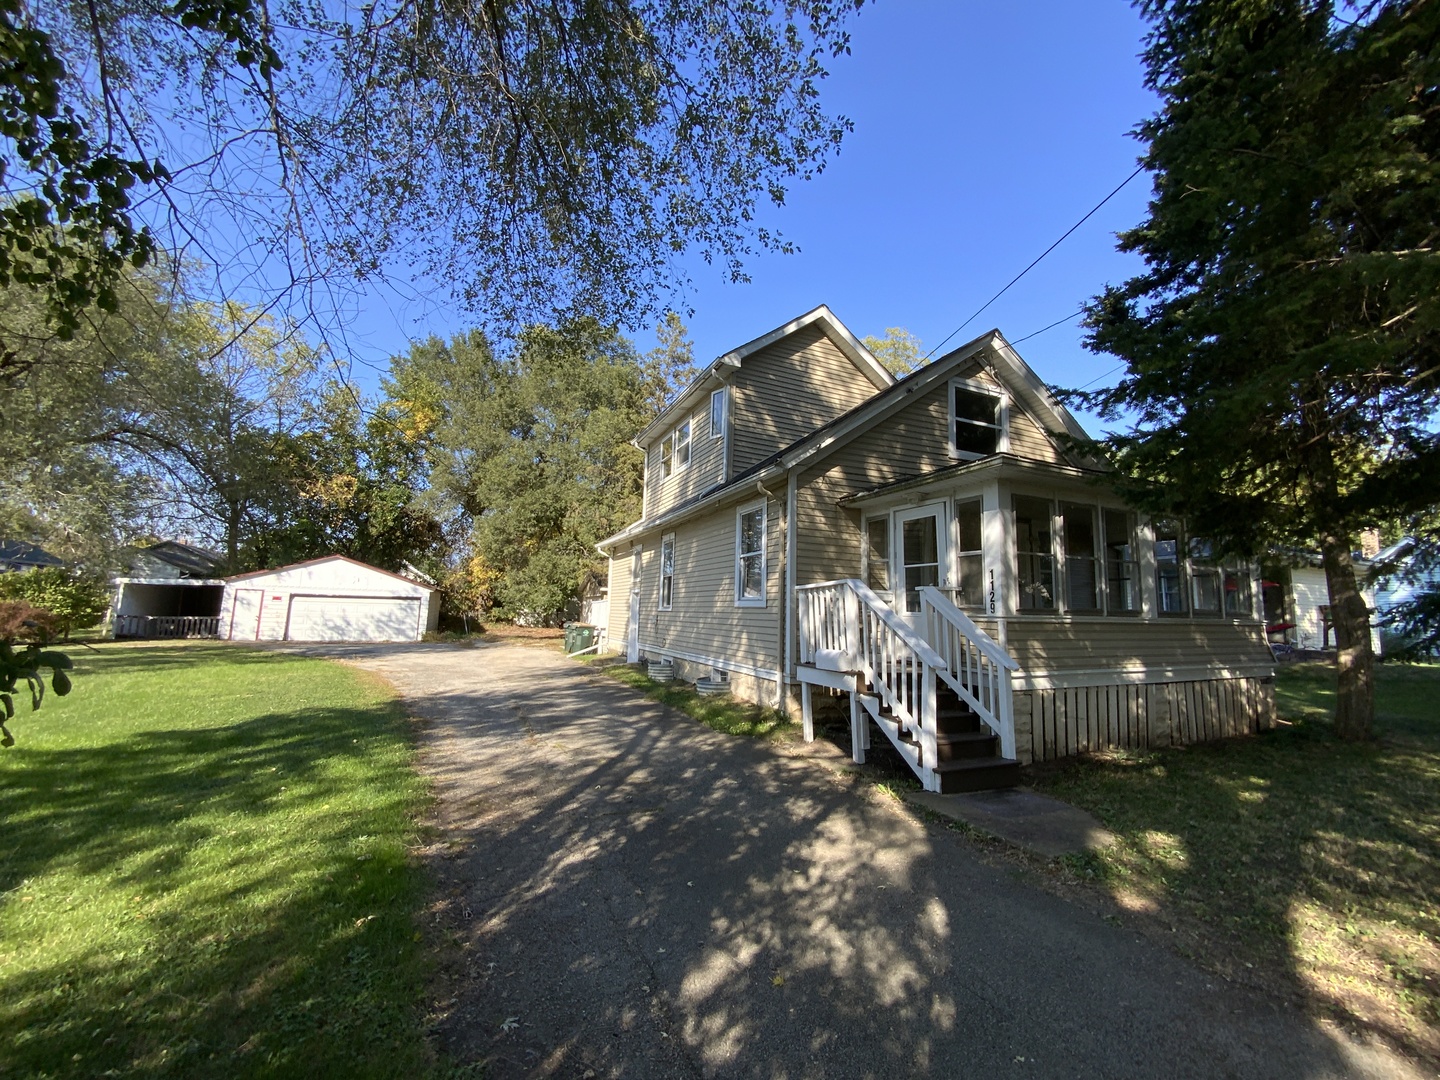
(1052, 326)
(1138, 170)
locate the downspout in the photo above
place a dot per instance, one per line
(782, 679)
(792, 498)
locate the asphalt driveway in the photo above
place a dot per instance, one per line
(624, 893)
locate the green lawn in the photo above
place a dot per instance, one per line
(205, 872)
(1299, 855)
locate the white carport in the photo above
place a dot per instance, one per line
(327, 599)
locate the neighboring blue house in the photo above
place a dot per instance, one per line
(18, 555)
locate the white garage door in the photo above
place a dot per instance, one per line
(350, 618)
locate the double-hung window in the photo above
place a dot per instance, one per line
(750, 556)
(667, 571)
(1239, 594)
(877, 553)
(682, 445)
(969, 559)
(675, 450)
(1205, 582)
(977, 420)
(1082, 564)
(1122, 570)
(1034, 554)
(1169, 569)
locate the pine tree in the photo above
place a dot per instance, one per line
(1283, 343)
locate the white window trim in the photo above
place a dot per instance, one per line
(740, 511)
(668, 538)
(1002, 441)
(719, 432)
(667, 460)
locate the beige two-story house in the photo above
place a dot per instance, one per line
(935, 551)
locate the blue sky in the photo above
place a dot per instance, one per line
(982, 132)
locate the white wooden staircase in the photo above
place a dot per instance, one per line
(943, 697)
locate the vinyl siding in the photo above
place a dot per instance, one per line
(1052, 645)
(787, 390)
(703, 619)
(915, 440)
(619, 601)
(706, 468)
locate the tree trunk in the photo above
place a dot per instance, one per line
(1354, 655)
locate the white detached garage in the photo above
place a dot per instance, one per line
(329, 599)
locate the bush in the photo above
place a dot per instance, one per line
(77, 601)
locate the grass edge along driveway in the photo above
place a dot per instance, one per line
(207, 872)
(1297, 857)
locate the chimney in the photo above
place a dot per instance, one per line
(1369, 543)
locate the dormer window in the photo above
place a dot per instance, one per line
(977, 420)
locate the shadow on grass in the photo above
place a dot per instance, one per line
(1310, 858)
(213, 902)
(146, 656)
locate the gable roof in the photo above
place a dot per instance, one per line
(18, 553)
(820, 317)
(1006, 364)
(331, 558)
(187, 558)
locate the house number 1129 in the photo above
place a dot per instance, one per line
(992, 592)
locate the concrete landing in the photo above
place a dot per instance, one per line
(1025, 818)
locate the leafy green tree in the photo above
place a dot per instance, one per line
(75, 601)
(1281, 344)
(671, 364)
(532, 450)
(63, 483)
(356, 475)
(546, 156)
(899, 350)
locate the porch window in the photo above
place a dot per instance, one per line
(1205, 587)
(877, 553)
(667, 571)
(717, 413)
(750, 556)
(1169, 569)
(977, 420)
(970, 587)
(1239, 594)
(1034, 554)
(1122, 571)
(1082, 564)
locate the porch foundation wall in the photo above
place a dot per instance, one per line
(1058, 723)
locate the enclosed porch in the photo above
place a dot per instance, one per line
(1074, 622)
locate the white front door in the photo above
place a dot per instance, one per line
(632, 625)
(920, 557)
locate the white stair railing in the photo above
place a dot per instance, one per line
(975, 667)
(844, 626)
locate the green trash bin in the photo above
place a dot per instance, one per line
(578, 637)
